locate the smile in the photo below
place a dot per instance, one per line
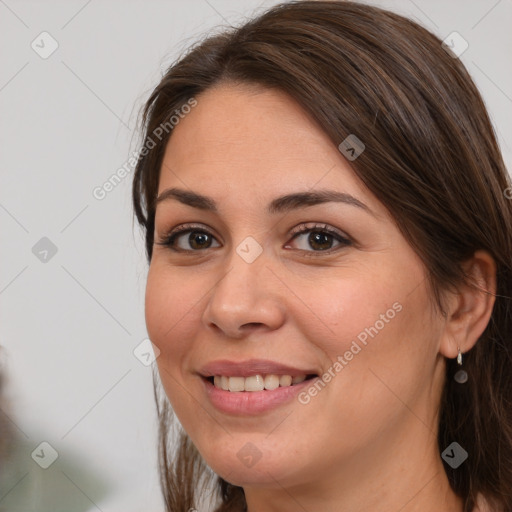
(256, 382)
(255, 399)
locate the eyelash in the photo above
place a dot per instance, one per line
(169, 239)
(312, 227)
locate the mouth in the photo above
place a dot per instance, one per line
(258, 382)
(249, 396)
(253, 386)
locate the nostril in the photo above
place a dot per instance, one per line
(251, 325)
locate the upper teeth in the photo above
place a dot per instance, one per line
(255, 382)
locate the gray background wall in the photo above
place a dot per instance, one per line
(72, 270)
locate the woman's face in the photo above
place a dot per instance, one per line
(287, 265)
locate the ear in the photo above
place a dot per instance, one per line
(470, 308)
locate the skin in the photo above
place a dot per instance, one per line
(368, 440)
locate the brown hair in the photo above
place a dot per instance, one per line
(431, 158)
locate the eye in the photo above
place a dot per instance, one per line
(186, 238)
(318, 238)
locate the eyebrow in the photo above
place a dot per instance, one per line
(281, 204)
(186, 197)
(303, 199)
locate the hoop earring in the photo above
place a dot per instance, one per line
(461, 377)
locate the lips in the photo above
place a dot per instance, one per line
(252, 367)
(243, 403)
(223, 379)
(230, 388)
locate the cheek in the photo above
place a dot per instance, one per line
(172, 319)
(368, 325)
(171, 309)
(355, 307)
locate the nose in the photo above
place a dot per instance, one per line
(245, 299)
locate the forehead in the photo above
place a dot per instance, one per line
(252, 141)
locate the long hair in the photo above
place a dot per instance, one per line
(431, 158)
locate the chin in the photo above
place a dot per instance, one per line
(250, 465)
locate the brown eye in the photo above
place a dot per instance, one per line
(199, 240)
(191, 240)
(320, 240)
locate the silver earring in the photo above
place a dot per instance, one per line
(461, 376)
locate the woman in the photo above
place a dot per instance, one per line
(325, 213)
